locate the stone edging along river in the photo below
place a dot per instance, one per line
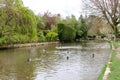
(26, 45)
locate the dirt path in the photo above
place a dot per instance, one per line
(118, 55)
(106, 72)
(108, 68)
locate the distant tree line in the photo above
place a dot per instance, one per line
(18, 24)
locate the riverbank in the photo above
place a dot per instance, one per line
(115, 65)
(26, 45)
(112, 70)
(105, 71)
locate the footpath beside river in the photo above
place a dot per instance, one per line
(113, 65)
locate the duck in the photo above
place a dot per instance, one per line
(93, 55)
(29, 60)
(44, 50)
(67, 57)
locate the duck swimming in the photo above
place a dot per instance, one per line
(67, 57)
(29, 60)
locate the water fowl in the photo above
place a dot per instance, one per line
(29, 60)
(67, 53)
(44, 51)
(67, 57)
(93, 55)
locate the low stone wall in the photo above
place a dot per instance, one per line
(26, 45)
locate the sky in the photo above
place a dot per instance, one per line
(64, 7)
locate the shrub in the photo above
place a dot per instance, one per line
(45, 32)
(51, 36)
(41, 37)
(14, 38)
(66, 33)
(3, 40)
(54, 28)
(19, 38)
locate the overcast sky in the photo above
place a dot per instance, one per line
(64, 7)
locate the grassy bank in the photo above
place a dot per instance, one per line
(102, 73)
(116, 44)
(115, 67)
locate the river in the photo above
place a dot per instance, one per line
(69, 61)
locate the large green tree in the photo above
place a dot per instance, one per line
(66, 33)
(17, 20)
(81, 28)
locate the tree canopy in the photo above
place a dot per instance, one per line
(17, 20)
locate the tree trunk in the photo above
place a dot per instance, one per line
(116, 32)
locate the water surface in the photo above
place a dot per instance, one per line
(71, 61)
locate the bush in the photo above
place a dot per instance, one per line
(66, 33)
(51, 36)
(14, 38)
(41, 37)
(79, 32)
(54, 28)
(45, 32)
(3, 40)
(19, 38)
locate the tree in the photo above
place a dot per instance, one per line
(18, 23)
(40, 22)
(83, 28)
(49, 20)
(66, 33)
(71, 20)
(110, 10)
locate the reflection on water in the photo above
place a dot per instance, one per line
(73, 61)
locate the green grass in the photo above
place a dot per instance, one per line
(102, 73)
(115, 43)
(114, 67)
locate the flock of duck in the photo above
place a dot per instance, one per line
(67, 57)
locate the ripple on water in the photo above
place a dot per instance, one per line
(54, 64)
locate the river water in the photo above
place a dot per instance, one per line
(71, 61)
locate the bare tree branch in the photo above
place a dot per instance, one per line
(110, 10)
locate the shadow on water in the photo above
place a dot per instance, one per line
(71, 61)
